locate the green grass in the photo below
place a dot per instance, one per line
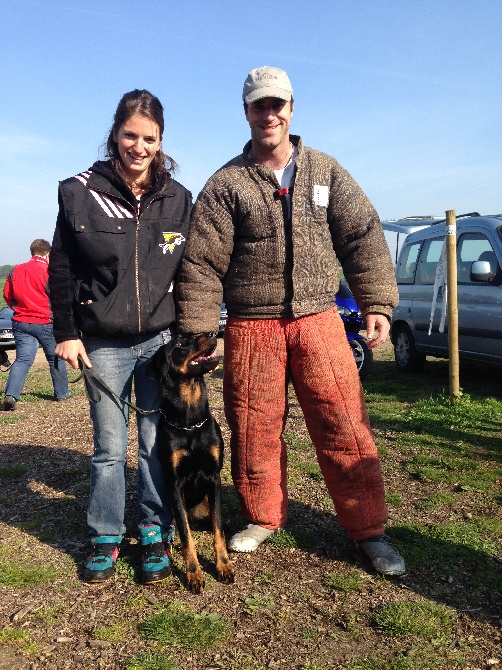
(343, 583)
(113, 633)
(50, 616)
(265, 577)
(20, 639)
(150, 660)
(292, 539)
(437, 501)
(177, 626)
(297, 442)
(418, 619)
(258, 602)
(423, 658)
(13, 470)
(18, 575)
(394, 499)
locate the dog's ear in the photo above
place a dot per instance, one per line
(160, 359)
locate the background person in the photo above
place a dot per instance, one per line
(267, 232)
(25, 292)
(119, 237)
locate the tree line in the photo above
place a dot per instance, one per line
(5, 270)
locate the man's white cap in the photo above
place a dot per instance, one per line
(267, 82)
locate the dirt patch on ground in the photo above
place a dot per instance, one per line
(281, 612)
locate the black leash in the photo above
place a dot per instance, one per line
(91, 382)
(91, 379)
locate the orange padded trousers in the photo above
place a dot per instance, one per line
(259, 357)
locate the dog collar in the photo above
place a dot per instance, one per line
(197, 425)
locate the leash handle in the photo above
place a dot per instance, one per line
(81, 367)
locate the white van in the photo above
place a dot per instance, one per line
(416, 331)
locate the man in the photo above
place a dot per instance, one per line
(25, 291)
(266, 235)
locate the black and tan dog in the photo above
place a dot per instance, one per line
(191, 447)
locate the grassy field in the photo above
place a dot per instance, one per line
(305, 600)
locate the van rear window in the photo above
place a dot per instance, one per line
(405, 270)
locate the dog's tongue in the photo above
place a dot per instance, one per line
(214, 358)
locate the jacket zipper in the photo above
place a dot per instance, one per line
(136, 259)
(136, 256)
(136, 262)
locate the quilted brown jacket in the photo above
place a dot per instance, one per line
(243, 249)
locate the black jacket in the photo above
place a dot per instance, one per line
(113, 260)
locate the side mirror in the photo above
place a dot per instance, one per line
(482, 271)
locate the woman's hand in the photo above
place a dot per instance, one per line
(70, 350)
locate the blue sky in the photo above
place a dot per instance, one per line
(405, 95)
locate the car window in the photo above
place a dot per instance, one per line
(427, 263)
(405, 271)
(473, 247)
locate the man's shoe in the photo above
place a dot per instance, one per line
(9, 403)
(65, 397)
(156, 562)
(250, 538)
(100, 565)
(4, 361)
(385, 559)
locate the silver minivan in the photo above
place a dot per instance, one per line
(416, 329)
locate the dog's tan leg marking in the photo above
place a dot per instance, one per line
(224, 568)
(194, 574)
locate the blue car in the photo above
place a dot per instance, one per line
(354, 321)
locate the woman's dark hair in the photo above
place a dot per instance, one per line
(145, 104)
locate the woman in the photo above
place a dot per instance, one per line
(119, 238)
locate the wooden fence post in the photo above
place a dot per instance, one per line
(451, 269)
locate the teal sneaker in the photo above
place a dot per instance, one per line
(156, 562)
(100, 565)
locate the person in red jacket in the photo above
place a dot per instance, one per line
(25, 291)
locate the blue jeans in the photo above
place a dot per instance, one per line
(118, 362)
(28, 336)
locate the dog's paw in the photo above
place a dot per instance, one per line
(225, 573)
(196, 581)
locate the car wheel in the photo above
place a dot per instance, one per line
(363, 357)
(408, 359)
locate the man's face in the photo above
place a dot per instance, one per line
(269, 120)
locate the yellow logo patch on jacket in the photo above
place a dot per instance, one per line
(170, 241)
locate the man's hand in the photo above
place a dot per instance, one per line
(70, 350)
(380, 323)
